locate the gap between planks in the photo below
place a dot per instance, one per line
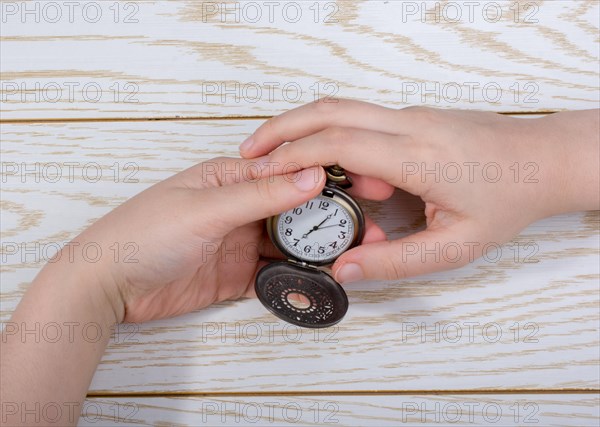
(345, 393)
(193, 118)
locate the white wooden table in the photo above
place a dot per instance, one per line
(102, 99)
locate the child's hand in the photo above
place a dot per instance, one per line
(181, 245)
(196, 238)
(483, 176)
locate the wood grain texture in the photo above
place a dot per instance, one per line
(496, 324)
(195, 59)
(521, 330)
(381, 410)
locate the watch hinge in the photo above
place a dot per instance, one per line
(302, 263)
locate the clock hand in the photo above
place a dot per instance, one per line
(316, 227)
(322, 222)
(327, 226)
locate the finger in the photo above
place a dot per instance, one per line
(421, 253)
(373, 232)
(315, 117)
(218, 172)
(393, 159)
(235, 205)
(370, 188)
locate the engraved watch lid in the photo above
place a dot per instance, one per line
(323, 302)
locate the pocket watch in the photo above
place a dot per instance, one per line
(311, 236)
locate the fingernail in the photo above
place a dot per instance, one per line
(349, 273)
(247, 144)
(306, 180)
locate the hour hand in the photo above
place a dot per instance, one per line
(321, 223)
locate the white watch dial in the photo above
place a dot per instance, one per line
(319, 230)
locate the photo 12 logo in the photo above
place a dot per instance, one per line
(453, 12)
(69, 12)
(253, 92)
(271, 412)
(265, 332)
(518, 92)
(53, 413)
(53, 172)
(255, 12)
(470, 412)
(15, 253)
(68, 332)
(55, 92)
(469, 332)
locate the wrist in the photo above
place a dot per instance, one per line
(566, 148)
(88, 282)
(81, 285)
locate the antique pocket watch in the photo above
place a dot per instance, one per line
(311, 236)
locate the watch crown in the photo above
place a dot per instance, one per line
(336, 170)
(337, 175)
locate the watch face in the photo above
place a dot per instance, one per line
(320, 230)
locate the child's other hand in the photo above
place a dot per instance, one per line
(483, 176)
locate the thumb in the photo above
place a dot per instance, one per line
(424, 252)
(245, 202)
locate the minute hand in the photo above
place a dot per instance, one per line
(316, 227)
(332, 225)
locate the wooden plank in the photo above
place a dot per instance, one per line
(190, 59)
(381, 410)
(495, 324)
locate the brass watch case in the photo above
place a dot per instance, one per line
(328, 302)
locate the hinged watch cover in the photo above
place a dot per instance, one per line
(326, 301)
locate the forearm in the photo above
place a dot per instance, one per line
(53, 344)
(575, 138)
